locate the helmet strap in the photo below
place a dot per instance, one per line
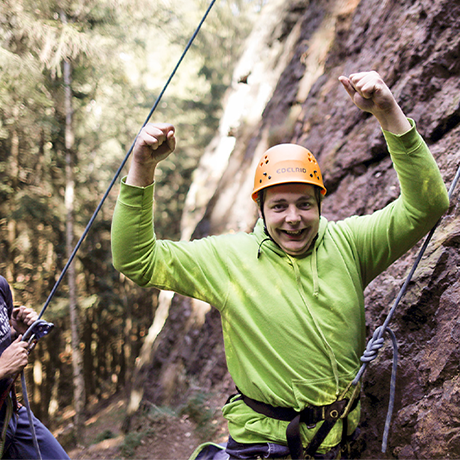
(261, 201)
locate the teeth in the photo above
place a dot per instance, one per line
(297, 232)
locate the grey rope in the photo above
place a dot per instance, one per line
(30, 416)
(376, 342)
(123, 163)
(96, 212)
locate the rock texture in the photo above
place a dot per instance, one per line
(286, 89)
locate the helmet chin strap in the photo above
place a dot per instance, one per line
(261, 202)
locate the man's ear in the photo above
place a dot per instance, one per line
(260, 213)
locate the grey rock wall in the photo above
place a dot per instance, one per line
(291, 68)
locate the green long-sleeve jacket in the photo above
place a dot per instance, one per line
(294, 327)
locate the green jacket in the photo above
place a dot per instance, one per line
(294, 327)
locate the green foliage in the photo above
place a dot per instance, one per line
(131, 441)
(160, 413)
(121, 54)
(199, 410)
(106, 434)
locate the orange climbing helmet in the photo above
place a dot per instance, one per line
(286, 163)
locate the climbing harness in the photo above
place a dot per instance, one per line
(40, 327)
(340, 409)
(329, 415)
(376, 342)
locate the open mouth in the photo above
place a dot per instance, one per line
(294, 233)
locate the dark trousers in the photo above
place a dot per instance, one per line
(240, 451)
(19, 441)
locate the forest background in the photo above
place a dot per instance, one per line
(77, 80)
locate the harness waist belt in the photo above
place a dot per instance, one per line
(329, 414)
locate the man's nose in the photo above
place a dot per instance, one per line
(292, 214)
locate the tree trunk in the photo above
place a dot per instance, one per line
(77, 357)
(145, 357)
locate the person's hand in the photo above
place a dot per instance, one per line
(14, 359)
(369, 93)
(155, 142)
(21, 318)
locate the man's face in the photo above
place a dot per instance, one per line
(292, 216)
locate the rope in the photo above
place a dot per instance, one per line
(30, 416)
(96, 212)
(376, 342)
(123, 163)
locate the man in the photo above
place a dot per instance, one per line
(17, 440)
(290, 294)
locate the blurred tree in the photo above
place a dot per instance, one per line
(120, 53)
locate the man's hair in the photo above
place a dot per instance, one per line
(261, 198)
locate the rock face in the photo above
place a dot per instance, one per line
(286, 89)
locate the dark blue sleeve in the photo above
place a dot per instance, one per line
(6, 308)
(6, 297)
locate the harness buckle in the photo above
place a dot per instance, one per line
(336, 409)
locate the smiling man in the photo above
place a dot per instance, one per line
(288, 187)
(292, 217)
(290, 293)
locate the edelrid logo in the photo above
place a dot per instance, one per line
(291, 170)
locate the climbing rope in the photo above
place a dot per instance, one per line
(40, 328)
(123, 163)
(376, 342)
(374, 345)
(35, 332)
(30, 416)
